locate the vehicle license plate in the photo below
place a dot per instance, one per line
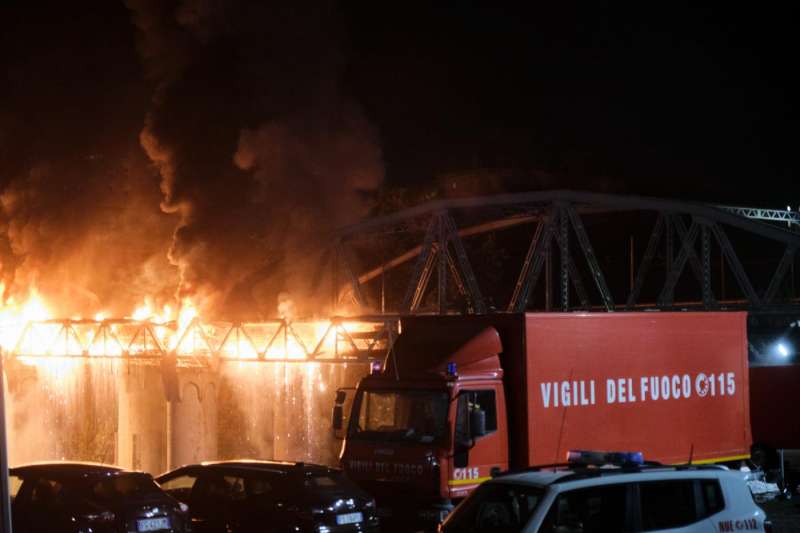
(152, 524)
(349, 518)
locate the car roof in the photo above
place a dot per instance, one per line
(254, 465)
(67, 469)
(608, 474)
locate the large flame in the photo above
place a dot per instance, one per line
(14, 317)
(29, 328)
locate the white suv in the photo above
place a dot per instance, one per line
(586, 499)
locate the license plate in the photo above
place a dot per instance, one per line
(349, 518)
(152, 524)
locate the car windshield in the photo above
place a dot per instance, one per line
(495, 507)
(123, 486)
(414, 415)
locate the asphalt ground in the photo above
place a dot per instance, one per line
(784, 514)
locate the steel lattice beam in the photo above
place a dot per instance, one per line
(441, 254)
(518, 302)
(647, 259)
(556, 212)
(355, 286)
(772, 215)
(568, 266)
(540, 248)
(473, 292)
(417, 283)
(609, 202)
(780, 273)
(705, 254)
(565, 261)
(667, 295)
(588, 252)
(735, 264)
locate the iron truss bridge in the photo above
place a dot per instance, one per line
(336, 340)
(564, 251)
(543, 251)
(791, 218)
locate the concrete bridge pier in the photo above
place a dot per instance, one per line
(142, 422)
(192, 427)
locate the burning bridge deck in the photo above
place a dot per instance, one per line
(337, 340)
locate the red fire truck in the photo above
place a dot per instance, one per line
(461, 398)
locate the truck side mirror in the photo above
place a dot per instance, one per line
(337, 417)
(477, 423)
(341, 396)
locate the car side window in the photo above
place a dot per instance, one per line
(599, 509)
(469, 401)
(260, 496)
(257, 488)
(237, 487)
(14, 484)
(212, 490)
(667, 504)
(46, 492)
(711, 497)
(179, 487)
(496, 507)
(484, 400)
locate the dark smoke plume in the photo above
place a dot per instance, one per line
(79, 217)
(261, 151)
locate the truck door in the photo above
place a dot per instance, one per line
(479, 447)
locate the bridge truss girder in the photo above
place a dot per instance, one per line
(690, 233)
(341, 340)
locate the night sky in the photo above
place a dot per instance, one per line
(191, 122)
(679, 102)
(686, 103)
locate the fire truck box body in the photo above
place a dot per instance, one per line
(671, 385)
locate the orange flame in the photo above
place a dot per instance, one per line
(148, 329)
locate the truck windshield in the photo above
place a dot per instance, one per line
(412, 415)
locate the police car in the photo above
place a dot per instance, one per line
(617, 492)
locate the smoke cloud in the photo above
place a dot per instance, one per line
(79, 217)
(260, 150)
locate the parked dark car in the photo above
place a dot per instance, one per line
(88, 497)
(250, 496)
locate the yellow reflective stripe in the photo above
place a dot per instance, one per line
(468, 481)
(718, 459)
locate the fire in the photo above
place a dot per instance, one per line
(34, 309)
(146, 312)
(15, 317)
(28, 328)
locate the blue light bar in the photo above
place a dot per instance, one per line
(595, 458)
(626, 458)
(375, 367)
(451, 369)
